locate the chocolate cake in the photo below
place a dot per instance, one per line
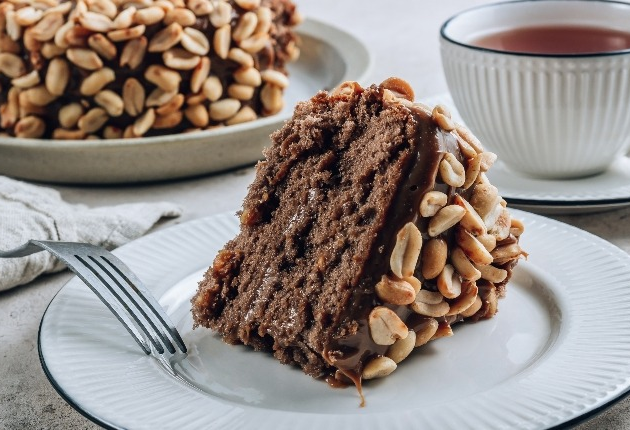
(370, 229)
(113, 68)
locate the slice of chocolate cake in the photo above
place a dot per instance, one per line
(369, 230)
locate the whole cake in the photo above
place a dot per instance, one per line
(369, 230)
(117, 68)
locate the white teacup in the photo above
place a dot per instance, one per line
(547, 115)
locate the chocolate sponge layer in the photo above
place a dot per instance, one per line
(316, 225)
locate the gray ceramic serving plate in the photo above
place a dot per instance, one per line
(329, 57)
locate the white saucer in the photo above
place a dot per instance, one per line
(606, 191)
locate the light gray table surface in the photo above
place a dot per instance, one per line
(402, 36)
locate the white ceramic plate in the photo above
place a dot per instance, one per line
(557, 351)
(329, 56)
(606, 191)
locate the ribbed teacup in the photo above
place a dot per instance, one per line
(546, 115)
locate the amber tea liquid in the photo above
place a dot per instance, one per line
(556, 40)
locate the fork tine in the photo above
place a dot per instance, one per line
(134, 297)
(121, 268)
(129, 305)
(112, 303)
(107, 277)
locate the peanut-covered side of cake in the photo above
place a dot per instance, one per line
(369, 230)
(113, 68)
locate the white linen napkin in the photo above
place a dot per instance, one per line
(32, 212)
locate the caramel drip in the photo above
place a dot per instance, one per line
(349, 354)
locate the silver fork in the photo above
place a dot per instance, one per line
(118, 287)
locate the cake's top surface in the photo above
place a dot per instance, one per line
(369, 229)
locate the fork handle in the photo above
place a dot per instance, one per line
(30, 247)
